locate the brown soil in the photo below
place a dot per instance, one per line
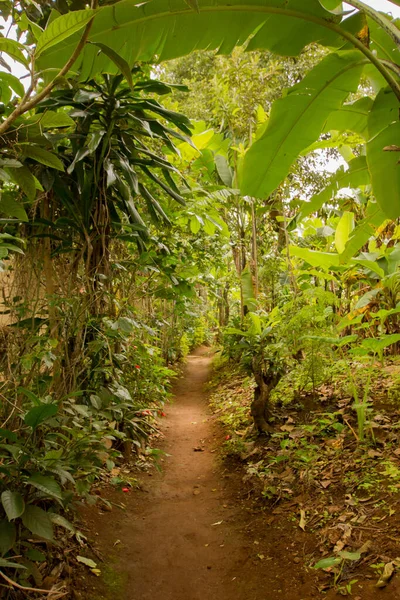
(190, 532)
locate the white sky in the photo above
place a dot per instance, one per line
(385, 6)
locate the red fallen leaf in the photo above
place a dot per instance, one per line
(137, 366)
(163, 414)
(228, 437)
(126, 490)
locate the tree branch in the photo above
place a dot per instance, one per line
(27, 589)
(26, 104)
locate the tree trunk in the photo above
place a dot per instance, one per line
(254, 249)
(260, 410)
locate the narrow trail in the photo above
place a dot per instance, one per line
(184, 536)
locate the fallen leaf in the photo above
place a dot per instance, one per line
(374, 453)
(288, 428)
(87, 561)
(365, 547)
(326, 483)
(387, 574)
(302, 523)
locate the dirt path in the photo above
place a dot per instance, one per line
(191, 532)
(185, 535)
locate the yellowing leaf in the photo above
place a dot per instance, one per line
(343, 231)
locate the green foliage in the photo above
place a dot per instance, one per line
(126, 241)
(297, 120)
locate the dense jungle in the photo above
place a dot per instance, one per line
(200, 299)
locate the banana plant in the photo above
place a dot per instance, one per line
(110, 39)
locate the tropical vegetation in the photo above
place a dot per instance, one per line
(236, 183)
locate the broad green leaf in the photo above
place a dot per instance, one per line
(326, 563)
(248, 290)
(143, 32)
(12, 248)
(10, 564)
(14, 50)
(13, 82)
(256, 327)
(8, 435)
(25, 180)
(224, 170)
(343, 230)
(62, 28)
(351, 117)
(364, 230)
(39, 414)
(350, 555)
(339, 341)
(118, 61)
(357, 174)
(384, 112)
(38, 522)
(205, 160)
(379, 344)
(383, 162)
(51, 119)
(10, 207)
(343, 142)
(8, 536)
(195, 224)
(61, 522)
(367, 298)
(369, 264)
(319, 274)
(393, 261)
(13, 504)
(235, 331)
(382, 42)
(25, 24)
(297, 121)
(36, 555)
(42, 156)
(316, 258)
(47, 485)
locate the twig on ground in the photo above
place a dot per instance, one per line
(27, 589)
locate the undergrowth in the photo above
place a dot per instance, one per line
(313, 469)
